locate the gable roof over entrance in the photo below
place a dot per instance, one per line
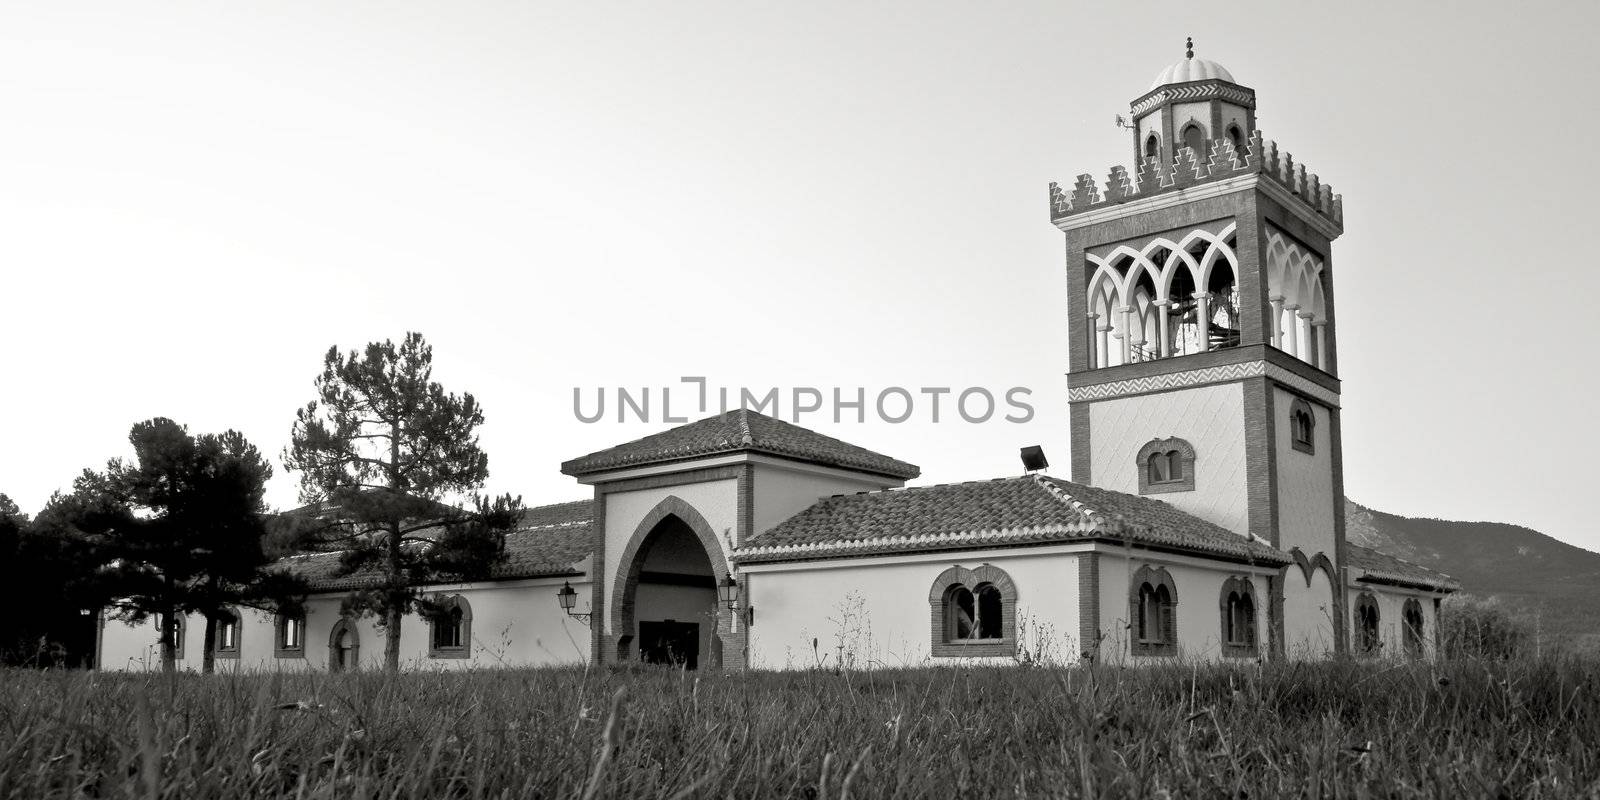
(1033, 509)
(741, 431)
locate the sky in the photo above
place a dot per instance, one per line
(198, 199)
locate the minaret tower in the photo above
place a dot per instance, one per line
(1203, 361)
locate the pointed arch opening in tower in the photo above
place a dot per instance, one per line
(673, 598)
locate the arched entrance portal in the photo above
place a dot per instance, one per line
(667, 610)
(344, 647)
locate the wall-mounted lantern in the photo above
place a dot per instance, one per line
(568, 597)
(728, 592)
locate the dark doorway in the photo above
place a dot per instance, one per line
(670, 642)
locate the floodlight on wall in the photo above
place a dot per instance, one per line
(568, 598)
(1033, 458)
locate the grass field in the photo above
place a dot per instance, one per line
(1509, 729)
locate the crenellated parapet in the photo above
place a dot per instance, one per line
(1189, 169)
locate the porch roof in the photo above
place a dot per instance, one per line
(1032, 509)
(1371, 566)
(550, 540)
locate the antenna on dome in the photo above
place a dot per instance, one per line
(1188, 45)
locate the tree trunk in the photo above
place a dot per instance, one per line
(169, 630)
(208, 649)
(391, 643)
(395, 604)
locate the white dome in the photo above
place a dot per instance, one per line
(1193, 69)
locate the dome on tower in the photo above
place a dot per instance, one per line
(1193, 69)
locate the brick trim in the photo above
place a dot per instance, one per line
(746, 489)
(1261, 461)
(702, 475)
(943, 644)
(1168, 445)
(445, 606)
(1311, 564)
(597, 592)
(1341, 632)
(1078, 415)
(1275, 621)
(728, 646)
(1157, 578)
(1243, 587)
(1089, 606)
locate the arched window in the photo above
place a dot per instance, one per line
(1302, 426)
(1152, 146)
(450, 619)
(1238, 607)
(974, 613)
(1153, 611)
(1240, 146)
(291, 635)
(1367, 640)
(1195, 139)
(1166, 465)
(1411, 616)
(227, 644)
(344, 647)
(177, 633)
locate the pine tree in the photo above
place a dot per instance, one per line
(382, 452)
(179, 529)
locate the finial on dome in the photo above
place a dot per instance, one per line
(1189, 46)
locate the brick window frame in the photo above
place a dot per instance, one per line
(1176, 452)
(289, 635)
(221, 648)
(1302, 426)
(1246, 643)
(944, 645)
(1368, 625)
(1158, 636)
(449, 644)
(1411, 627)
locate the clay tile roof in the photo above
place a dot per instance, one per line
(741, 431)
(1372, 566)
(1031, 509)
(551, 540)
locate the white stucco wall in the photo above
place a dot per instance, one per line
(781, 491)
(1184, 113)
(1209, 417)
(717, 501)
(517, 623)
(878, 608)
(1199, 615)
(1308, 614)
(1391, 607)
(1305, 482)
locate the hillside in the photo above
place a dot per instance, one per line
(1552, 580)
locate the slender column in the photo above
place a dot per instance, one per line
(1166, 337)
(1202, 313)
(1094, 352)
(1104, 351)
(1276, 334)
(1127, 333)
(1321, 338)
(1308, 345)
(1292, 347)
